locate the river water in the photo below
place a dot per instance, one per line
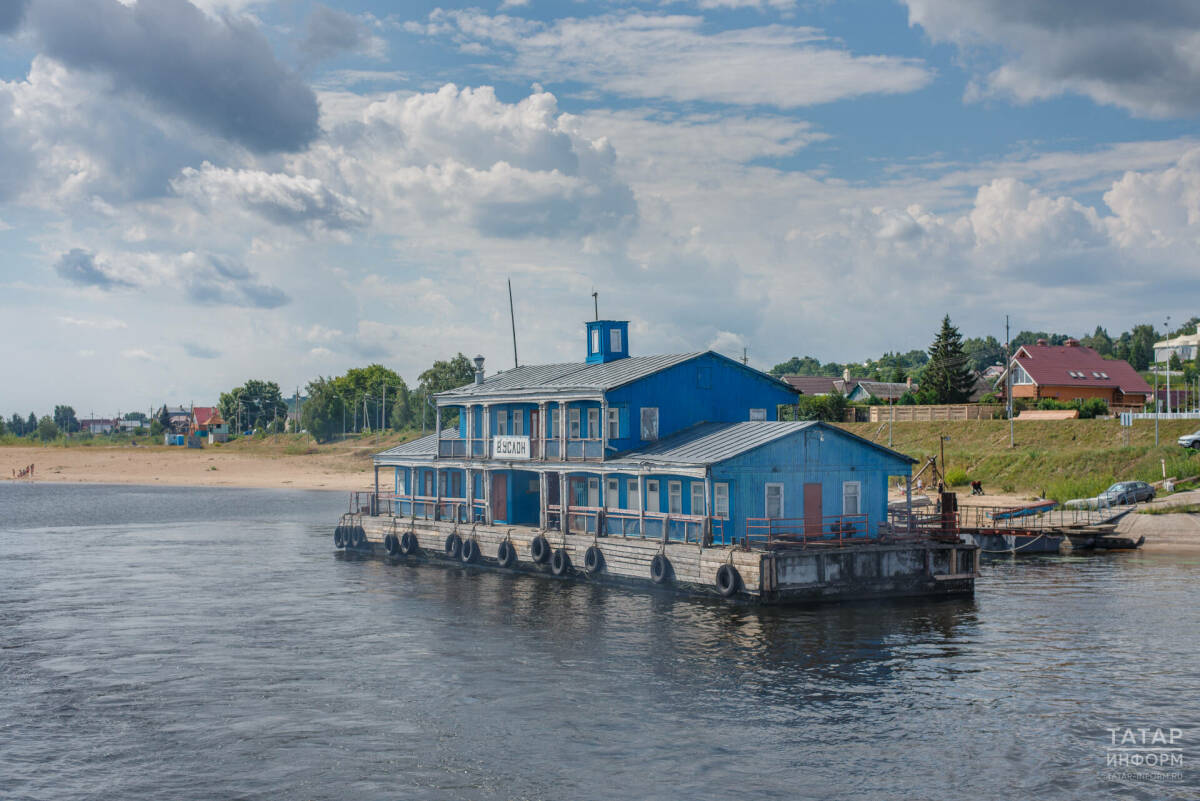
(206, 643)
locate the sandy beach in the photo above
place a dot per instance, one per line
(208, 467)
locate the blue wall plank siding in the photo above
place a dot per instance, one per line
(708, 388)
(821, 454)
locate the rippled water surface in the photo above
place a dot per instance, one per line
(192, 643)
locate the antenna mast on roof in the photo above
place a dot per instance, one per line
(745, 357)
(513, 317)
(596, 302)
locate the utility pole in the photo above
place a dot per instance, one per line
(1008, 383)
(1167, 335)
(1156, 404)
(513, 317)
(596, 303)
(383, 406)
(745, 356)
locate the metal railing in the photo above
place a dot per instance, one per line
(768, 533)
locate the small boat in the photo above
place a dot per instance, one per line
(1027, 510)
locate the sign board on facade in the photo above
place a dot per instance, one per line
(510, 447)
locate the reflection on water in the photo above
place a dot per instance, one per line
(209, 643)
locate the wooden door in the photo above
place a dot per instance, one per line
(812, 510)
(499, 496)
(535, 434)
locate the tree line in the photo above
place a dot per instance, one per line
(1135, 346)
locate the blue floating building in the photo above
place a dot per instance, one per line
(620, 452)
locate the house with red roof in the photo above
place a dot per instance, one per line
(206, 420)
(1071, 372)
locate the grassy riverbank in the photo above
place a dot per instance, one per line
(1064, 459)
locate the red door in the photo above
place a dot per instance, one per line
(499, 496)
(812, 510)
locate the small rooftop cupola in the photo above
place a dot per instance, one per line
(607, 340)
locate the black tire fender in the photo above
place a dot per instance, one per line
(728, 580)
(339, 537)
(593, 560)
(539, 550)
(469, 551)
(506, 554)
(391, 544)
(453, 546)
(660, 569)
(359, 537)
(408, 543)
(560, 563)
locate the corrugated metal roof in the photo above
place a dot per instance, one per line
(710, 443)
(576, 375)
(422, 446)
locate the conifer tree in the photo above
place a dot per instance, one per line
(947, 377)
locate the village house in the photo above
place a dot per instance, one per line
(683, 447)
(1071, 372)
(207, 422)
(1185, 346)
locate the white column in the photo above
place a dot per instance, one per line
(708, 505)
(564, 498)
(487, 496)
(487, 433)
(541, 433)
(543, 502)
(437, 490)
(603, 428)
(469, 492)
(469, 411)
(562, 431)
(642, 503)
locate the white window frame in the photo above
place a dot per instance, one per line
(1020, 377)
(767, 499)
(502, 423)
(674, 497)
(554, 430)
(573, 423)
(758, 415)
(614, 340)
(698, 495)
(852, 489)
(593, 492)
(593, 423)
(614, 423)
(401, 478)
(721, 500)
(652, 492)
(633, 497)
(612, 493)
(648, 413)
(518, 423)
(595, 340)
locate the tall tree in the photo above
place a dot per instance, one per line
(139, 416)
(164, 419)
(31, 424)
(363, 389)
(64, 418)
(1099, 341)
(323, 412)
(947, 377)
(1141, 346)
(47, 429)
(982, 353)
(17, 425)
(255, 404)
(442, 376)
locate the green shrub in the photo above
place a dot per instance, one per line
(957, 477)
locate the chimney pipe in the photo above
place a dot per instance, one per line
(846, 375)
(479, 369)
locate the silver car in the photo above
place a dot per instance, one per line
(1190, 440)
(1127, 492)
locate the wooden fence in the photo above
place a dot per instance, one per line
(925, 414)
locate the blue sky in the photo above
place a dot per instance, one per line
(197, 193)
